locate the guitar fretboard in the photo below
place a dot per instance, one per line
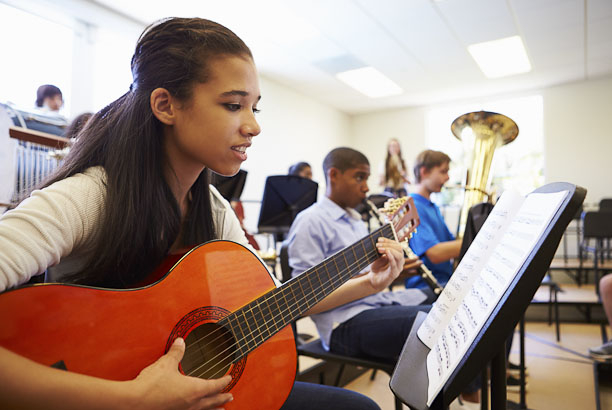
(256, 322)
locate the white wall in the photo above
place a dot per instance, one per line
(293, 128)
(578, 136)
(371, 132)
(577, 132)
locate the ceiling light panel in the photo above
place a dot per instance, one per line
(369, 81)
(501, 58)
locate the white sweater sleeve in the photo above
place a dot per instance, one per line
(49, 225)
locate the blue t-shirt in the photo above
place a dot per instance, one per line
(430, 232)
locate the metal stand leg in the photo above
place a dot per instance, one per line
(523, 402)
(498, 380)
(484, 389)
(596, 380)
(595, 264)
(398, 404)
(563, 239)
(557, 319)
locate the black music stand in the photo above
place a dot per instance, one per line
(230, 187)
(409, 381)
(284, 197)
(364, 209)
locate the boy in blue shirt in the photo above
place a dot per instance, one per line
(432, 242)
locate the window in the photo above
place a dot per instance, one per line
(111, 67)
(34, 51)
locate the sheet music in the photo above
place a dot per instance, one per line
(470, 267)
(509, 252)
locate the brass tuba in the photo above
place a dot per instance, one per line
(484, 131)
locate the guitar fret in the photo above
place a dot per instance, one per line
(272, 317)
(327, 271)
(348, 266)
(241, 340)
(257, 319)
(336, 264)
(321, 284)
(290, 307)
(346, 270)
(299, 283)
(288, 310)
(237, 337)
(372, 240)
(248, 337)
(355, 254)
(311, 288)
(362, 242)
(289, 300)
(340, 271)
(285, 300)
(276, 296)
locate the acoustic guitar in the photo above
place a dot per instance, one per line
(219, 297)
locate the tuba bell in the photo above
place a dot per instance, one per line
(482, 132)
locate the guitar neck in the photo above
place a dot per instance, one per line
(259, 320)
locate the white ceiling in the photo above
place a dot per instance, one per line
(419, 44)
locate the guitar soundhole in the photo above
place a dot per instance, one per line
(209, 351)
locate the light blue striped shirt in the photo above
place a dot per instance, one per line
(319, 232)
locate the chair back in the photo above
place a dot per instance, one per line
(597, 225)
(605, 205)
(284, 262)
(477, 216)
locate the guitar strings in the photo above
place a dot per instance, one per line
(380, 230)
(280, 312)
(246, 336)
(358, 262)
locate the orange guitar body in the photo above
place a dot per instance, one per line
(114, 334)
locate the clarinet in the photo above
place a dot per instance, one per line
(422, 270)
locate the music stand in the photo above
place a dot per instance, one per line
(284, 197)
(409, 381)
(230, 187)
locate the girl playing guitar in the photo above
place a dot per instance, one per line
(135, 188)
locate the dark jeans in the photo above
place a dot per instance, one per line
(377, 333)
(308, 396)
(380, 334)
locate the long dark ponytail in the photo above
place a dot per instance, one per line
(141, 217)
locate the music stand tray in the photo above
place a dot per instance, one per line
(409, 381)
(284, 197)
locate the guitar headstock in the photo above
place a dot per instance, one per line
(402, 213)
